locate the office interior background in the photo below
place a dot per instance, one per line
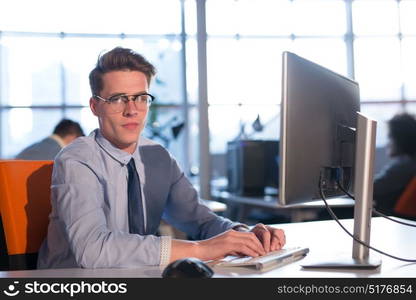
(218, 62)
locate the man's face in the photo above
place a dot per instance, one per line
(122, 129)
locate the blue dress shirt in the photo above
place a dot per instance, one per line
(89, 219)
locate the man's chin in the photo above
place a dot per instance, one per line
(127, 146)
(129, 142)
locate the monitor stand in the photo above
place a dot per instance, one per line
(363, 187)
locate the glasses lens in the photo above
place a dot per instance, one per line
(118, 103)
(145, 99)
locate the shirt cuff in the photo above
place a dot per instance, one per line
(241, 227)
(165, 247)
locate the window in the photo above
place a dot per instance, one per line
(47, 54)
(45, 58)
(246, 39)
(245, 42)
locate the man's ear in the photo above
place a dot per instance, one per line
(93, 106)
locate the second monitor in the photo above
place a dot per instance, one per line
(252, 167)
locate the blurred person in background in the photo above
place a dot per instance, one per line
(390, 182)
(64, 133)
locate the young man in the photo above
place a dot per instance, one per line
(111, 189)
(64, 133)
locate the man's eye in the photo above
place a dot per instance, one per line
(141, 98)
(115, 98)
(136, 98)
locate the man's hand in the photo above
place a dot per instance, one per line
(257, 241)
(230, 242)
(271, 238)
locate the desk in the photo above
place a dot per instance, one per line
(324, 238)
(297, 213)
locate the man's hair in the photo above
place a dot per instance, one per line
(119, 59)
(68, 127)
(402, 133)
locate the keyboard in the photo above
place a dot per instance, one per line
(265, 262)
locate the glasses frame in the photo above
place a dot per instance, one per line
(149, 102)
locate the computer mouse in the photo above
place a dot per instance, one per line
(187, 268)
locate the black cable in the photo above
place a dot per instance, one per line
(351, 235)
(344, 190)
(391, 219)
(375, 211)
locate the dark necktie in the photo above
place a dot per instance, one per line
(136, 219)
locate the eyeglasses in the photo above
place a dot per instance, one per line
(118, 103)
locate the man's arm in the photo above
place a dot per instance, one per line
(217, 237)
(229, 242)
(260, 240)
(79, 206)
(185, 212)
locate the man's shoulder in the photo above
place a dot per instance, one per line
(398, 169)
(45, 149)
(82, 148)
(152, 148)
(48, 140)
(405, 161)
(144, 141)
(30, 148)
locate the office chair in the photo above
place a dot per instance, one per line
(24, 208)
(406, 204)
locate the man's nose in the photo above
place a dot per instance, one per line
(130, 108)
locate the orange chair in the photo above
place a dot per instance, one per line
(24, 208)
(406, 204)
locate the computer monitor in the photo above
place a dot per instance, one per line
(318, 117)
(252, 167)
(324, 143)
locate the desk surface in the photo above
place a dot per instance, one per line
(324, 238)
(240, 206)
(271, 201)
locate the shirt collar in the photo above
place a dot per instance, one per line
(121, 156)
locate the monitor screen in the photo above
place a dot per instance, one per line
(317, 140)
